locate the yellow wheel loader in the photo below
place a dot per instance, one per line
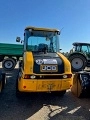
(44, 68)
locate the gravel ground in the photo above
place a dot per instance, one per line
(41, 106)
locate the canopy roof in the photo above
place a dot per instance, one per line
(79, 43)
(42, 29)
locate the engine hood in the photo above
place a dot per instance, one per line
(50, 55)
(48, 63)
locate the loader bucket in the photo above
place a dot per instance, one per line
(81, 84)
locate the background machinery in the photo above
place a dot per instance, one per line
(10, 54)
(81, 84)
(80, 56)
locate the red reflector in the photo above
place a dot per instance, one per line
(69, 75)
(26, 76)
(24, 87)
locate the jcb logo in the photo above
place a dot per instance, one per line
(48, 68)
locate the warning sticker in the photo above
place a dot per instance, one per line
(49, 61)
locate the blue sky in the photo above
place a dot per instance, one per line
(71, 15)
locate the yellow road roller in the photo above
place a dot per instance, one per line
(44, 68)
(81, 84)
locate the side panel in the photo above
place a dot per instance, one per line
(11, 49)
(27, 85)
(67, 65)
(28, 63)
(66, 84)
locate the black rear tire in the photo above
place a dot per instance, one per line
(2, 81)
(76, 60)
(18, 93)
(8, 64)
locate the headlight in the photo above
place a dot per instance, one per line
(26, 76)
(65, 76)
(33, 77)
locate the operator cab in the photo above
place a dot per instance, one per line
(81, 47)
(43, 40)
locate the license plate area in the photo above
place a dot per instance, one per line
(49, 85)
(48, 68)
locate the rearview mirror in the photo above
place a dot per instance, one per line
(18, 39)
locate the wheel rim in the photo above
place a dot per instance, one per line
(77, 63)
(8, 64)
